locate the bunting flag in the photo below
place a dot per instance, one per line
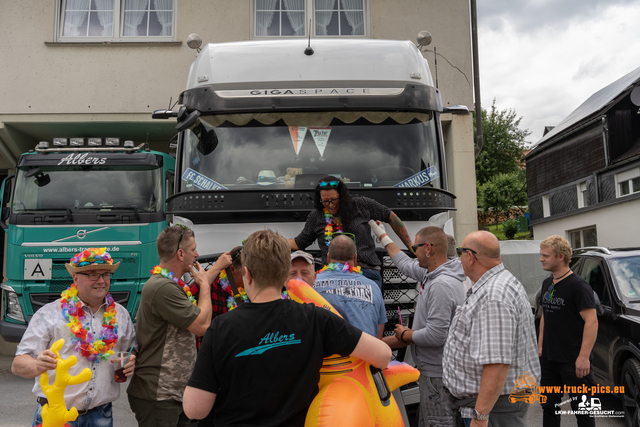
(321, 138)
(297, 137)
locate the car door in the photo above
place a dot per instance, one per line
(594, 273)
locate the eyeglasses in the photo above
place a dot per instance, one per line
(342, 233)
(459, 251)
(95, 276)
(416, 246)
(324, 184)
(330, 202)
(184, 227)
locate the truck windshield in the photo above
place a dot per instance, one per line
(86, 188)
(369, 149)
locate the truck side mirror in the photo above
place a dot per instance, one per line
(6, 197)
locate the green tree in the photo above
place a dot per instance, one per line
(503, 143)
(503, 191)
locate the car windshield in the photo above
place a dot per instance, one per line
(295, 150)
(87, 188)
(626, 274)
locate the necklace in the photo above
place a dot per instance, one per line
(169, 275)
(336, 266)
(331, 223)
(558, 278)
(100, 348)
(231, 299)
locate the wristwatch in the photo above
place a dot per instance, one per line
(478, 416)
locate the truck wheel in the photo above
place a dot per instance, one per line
(631, 401)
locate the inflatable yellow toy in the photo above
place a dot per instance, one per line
(55, 413)
(352, 392)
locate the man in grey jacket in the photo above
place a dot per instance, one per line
(441, 291)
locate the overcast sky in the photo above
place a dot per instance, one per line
(544, 58)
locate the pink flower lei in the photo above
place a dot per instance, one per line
(341, 268)
(83, 341)
(329, 228)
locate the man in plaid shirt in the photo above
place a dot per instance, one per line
(491, 339)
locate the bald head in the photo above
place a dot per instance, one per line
(342, 249)
(485, 243)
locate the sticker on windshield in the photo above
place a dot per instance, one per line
(321, 138)
(297, 137)
(421, 178)
(196, 179)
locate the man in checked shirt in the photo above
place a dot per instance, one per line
(491, 340)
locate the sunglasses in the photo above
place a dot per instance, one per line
(342, 233)
(325, 184)
(460, 250)
(184, 227)
(330, 202)
(415, 247)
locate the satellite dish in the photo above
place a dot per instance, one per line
(424, 38)
(635, 96)
(194, 41)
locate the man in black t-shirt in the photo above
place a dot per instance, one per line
(259, 364)
(568, 330)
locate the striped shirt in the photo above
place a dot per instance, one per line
(494, 325)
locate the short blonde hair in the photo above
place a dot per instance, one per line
(267, 255)
(559, 246)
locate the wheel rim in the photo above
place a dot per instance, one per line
(631, 396)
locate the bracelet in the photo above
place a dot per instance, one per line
(402, 336)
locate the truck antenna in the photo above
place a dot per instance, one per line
(435, 59)
(309, 50)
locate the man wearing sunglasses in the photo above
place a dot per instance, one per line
(169, 318)
(491, 340)
(441, 291)
(358, 299)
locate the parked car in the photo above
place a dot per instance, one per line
(614, 275)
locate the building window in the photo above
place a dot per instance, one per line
(546, 208)
(120, 20)
(628, 182)
(583, 237)
(583, 195)
(290, 18)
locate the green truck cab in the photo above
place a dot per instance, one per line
(65, 199)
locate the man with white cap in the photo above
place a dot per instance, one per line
(87, 304)
(302, 267)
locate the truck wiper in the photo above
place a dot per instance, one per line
(109, 207)
(67, 210)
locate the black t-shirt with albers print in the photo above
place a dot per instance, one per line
(563, 325)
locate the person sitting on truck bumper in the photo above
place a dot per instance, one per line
(91, 271)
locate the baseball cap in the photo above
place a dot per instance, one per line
(302, 254)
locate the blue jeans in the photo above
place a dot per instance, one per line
(99, 417)
(373, 274)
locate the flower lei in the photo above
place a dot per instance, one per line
(82, 340)
(336, 266)
(169, 275)
(331, 222)
(231, 299)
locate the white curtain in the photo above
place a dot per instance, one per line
(164, 13)
(74, 16)
(133, 15)
(323, 19)
(295, 18)
(355, 18)
(264, 16)
(105, 16)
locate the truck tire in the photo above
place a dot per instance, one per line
(631, 402)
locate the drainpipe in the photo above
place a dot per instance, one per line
(476, 77)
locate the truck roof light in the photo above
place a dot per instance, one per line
(95, 142)
(43, 144)
(60, 142)
(112, 142)
(128, 144)
(77, 142)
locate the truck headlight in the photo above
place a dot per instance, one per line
(14, 311)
